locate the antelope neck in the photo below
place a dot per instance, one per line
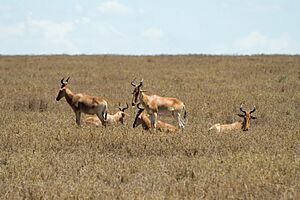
(143, 98)
(69, 96)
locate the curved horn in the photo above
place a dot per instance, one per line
(64, 82)
(141, 82)
(138, 106)
(125, 107)
(132, 83)
(241, 109)
(120, 107)
(253, 110)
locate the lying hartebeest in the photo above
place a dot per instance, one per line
(142, 118)
(155, 105)
(245, 125)
(81, 103)
(116, 118)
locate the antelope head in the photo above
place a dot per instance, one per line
(123, 109)
(247, 117)
(138, 118)
(136, 92)
(122, 112)
(62, 90)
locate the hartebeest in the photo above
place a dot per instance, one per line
(142, 118)
(245, 125)
(81, 103)
(116, 118)
(155, 105)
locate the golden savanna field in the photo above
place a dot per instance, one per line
(45, 155)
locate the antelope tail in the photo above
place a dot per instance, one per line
(104, 114)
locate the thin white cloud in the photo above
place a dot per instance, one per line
(253, 39)
(256, 42)
(82, 21)
(53, 33)
(53, 36)
(254, 6)
(12, 30)
(154, 34)
(108, 31)
(51, 30)
(113, 7)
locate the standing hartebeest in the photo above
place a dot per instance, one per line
(116, 118)
(155, 104)
(245, 125)
(81, 103)
(142, 118)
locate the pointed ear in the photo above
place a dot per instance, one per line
(241, 115)
(253, 117)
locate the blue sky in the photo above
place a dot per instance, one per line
(138, 27)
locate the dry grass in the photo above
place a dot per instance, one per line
(44, 155)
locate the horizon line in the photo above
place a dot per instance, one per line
(162, 54)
